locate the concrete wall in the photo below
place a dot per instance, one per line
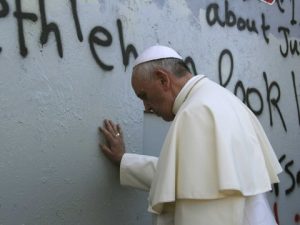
(65, 66)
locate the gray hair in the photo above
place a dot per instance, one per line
(173, 65)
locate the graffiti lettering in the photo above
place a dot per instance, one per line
(4, 11)
(230, 20)
(285, 31)
(254, 92)
(264, 28)
(76, 20)
(129, 49)
(273, 101)
(293, 21)
(296, 96)
(288, 190)
(282, 10)
(287, 170)
(292, 45)
(246, 96)
(240, 86)
(279, 4)
(98, 35)
(271, 88)
(229, 54)
(106, 41)
(47, 28)
(246, 93)
(93, 39)
(4, 8)
(20, 16)
(293, 178)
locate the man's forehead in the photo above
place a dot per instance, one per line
(138, 80)
(140, 86)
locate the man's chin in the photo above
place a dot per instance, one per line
(167, 118)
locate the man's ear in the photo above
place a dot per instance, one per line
(163, 77)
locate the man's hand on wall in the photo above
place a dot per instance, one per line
(114, 148)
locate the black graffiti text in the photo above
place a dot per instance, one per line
(4, 8)
(291, 46)
(296, 95)
(281, 8)
(230, 19)
(247, 93)
(20, 16)
(293, 177)
(99, 36)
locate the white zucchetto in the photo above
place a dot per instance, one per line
(156, 52)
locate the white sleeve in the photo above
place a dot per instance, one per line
(137, 171)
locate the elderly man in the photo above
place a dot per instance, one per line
(216, 162)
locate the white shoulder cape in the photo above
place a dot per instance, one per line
(215, 147)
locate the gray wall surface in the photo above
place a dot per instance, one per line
(65, 65)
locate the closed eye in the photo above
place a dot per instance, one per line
(142, 95)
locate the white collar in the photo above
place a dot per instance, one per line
(185, 91)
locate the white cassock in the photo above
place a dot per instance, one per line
(215, 164)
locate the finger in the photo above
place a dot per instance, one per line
(110, 126)
(114, 126)
(119, 129)
(100, 130)
(107, 134)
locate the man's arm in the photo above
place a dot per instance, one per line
(137, 171)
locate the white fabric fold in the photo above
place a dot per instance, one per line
(215, 148)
